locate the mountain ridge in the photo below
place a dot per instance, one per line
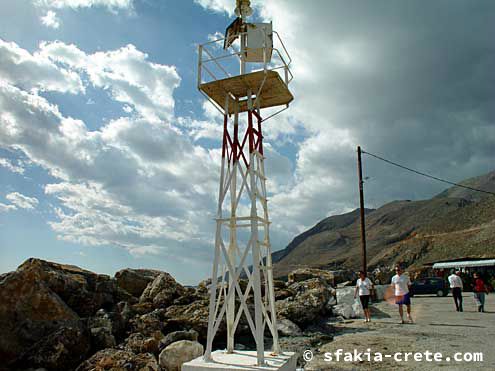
(457, 222)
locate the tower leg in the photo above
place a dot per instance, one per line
(242, 179)
(232, 251)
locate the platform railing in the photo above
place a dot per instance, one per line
(215, 63)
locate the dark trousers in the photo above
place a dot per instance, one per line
(457, 294)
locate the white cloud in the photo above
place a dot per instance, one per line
(6, 208)
(356, 85)
(126, 73)
(77, 4)
(35, 72)
(9, 165)
(133, 183)
(221, 6)
(50, 19)
(145, 183)
(21, 201)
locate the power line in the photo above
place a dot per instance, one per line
(427, 175)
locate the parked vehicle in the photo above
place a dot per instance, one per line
(430, 285)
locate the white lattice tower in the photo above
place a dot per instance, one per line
(242, 239)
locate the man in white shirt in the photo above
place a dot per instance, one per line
(455, 281)
(401, 283)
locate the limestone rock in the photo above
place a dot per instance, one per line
(304, 274)
(346, 295)
(174, 355)
(286, 327)
(380, 291)
(29, 311)
(101, 338)
(193, 316)
(347, 306)
(61, 350)
(308, 304)
(162, 291)
(188, 296)
(142, 308)
(106, 328)
(283, 294)
(83, 291)
(138, 343)
(345, 310)
(115, 359)
(149, 323)
(178, 335)
(134, 281)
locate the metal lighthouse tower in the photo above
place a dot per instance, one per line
(242, 74)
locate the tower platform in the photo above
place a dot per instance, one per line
(273, 93)
(242, 360)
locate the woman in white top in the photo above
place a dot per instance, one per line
(363, 287)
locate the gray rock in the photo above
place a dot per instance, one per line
(101, 338)
(61, 350)
(193, 316)
(308, 304)
(162, 291)
(134, 281)
(178, 335)
(29, 311)
(286, 327)
(174, 355)
(148, 323)
(138, 343)
(380, 291)
(344, 284)
(115, 359)
(345, 310)
(304, 274)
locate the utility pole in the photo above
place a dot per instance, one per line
(361, 209)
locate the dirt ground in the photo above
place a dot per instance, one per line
(437, 327)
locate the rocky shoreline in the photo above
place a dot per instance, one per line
(61, 317)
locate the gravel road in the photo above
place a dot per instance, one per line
(437, 328)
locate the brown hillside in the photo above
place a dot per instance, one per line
(456, 223)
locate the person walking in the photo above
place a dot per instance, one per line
(479, 291)
(456, 285)
(401, 284)
(363, 287)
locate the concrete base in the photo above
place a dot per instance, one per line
(242, 360)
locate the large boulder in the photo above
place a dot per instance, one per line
(29, 311)
(106, 329)
(348, 306)
(304, 274)
(134, 281)
(149, 323)
(286, 327)
(380, 291)
(193, 316)
(162, 291)
(174, 355)
(138, 343)
(115, 359)
(83, 291)
(308, 304)
(346, 295)
(331, 277)
(178, 335)
(63, 349)
(344, 310)
(42, 298)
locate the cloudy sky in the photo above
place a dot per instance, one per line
(109, 157)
